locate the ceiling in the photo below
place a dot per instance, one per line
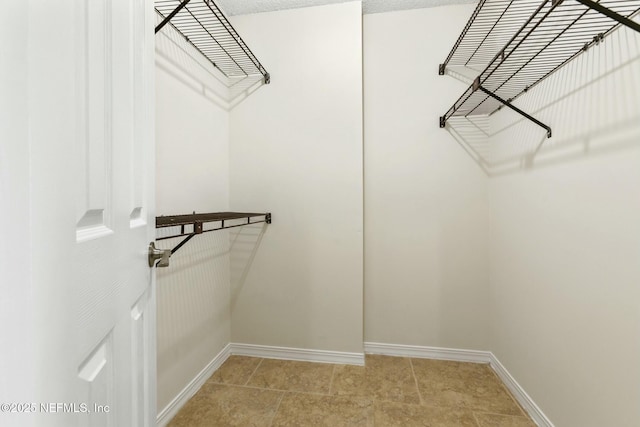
(243, 7)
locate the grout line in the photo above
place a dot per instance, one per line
(415, 379)
(502, 415)
(276, 411)
(254, 371)
(333, 373)
(272, 389)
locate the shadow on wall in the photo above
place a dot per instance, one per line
(176, 56)
(592, 105)
(192, 298)
(465, 75)
(244, 244)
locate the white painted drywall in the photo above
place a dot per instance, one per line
(243, 7)
(17, 372)
(565, 240)
(296, 151)
(548, 278)
(426, 214)
(192, 171)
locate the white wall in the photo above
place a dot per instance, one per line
(529, 250)
(296, 151)
(192, 168)
(426, 215)
(565, 240)
(17, 371)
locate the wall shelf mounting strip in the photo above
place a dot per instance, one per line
(205, 27)
(556, 32)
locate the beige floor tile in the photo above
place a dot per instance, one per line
(235, 370)
(383, 394)
(349, 380)
(495, 420)
(383, 378)
(293, 376)
(194, 412)
(394, 414)
(468, 385)
(308, 410)
(223, 405)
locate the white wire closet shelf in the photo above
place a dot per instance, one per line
(556, 32)
(205, 27)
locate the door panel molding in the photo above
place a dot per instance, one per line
(94, 77)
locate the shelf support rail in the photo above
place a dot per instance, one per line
(517, 110)
(477, 86)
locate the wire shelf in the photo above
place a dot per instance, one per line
(555, 33)
(190, 219)
(492, 22)
(206, 28)
(190, 225)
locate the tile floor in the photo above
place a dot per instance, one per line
(388, 391)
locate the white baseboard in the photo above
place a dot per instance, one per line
(421, 352)
(521, 396)
(473, 356)
(187, 393)
(299, 354)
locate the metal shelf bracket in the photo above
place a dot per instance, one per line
(611, 14)
(517, 110)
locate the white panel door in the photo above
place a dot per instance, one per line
(91, 300)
